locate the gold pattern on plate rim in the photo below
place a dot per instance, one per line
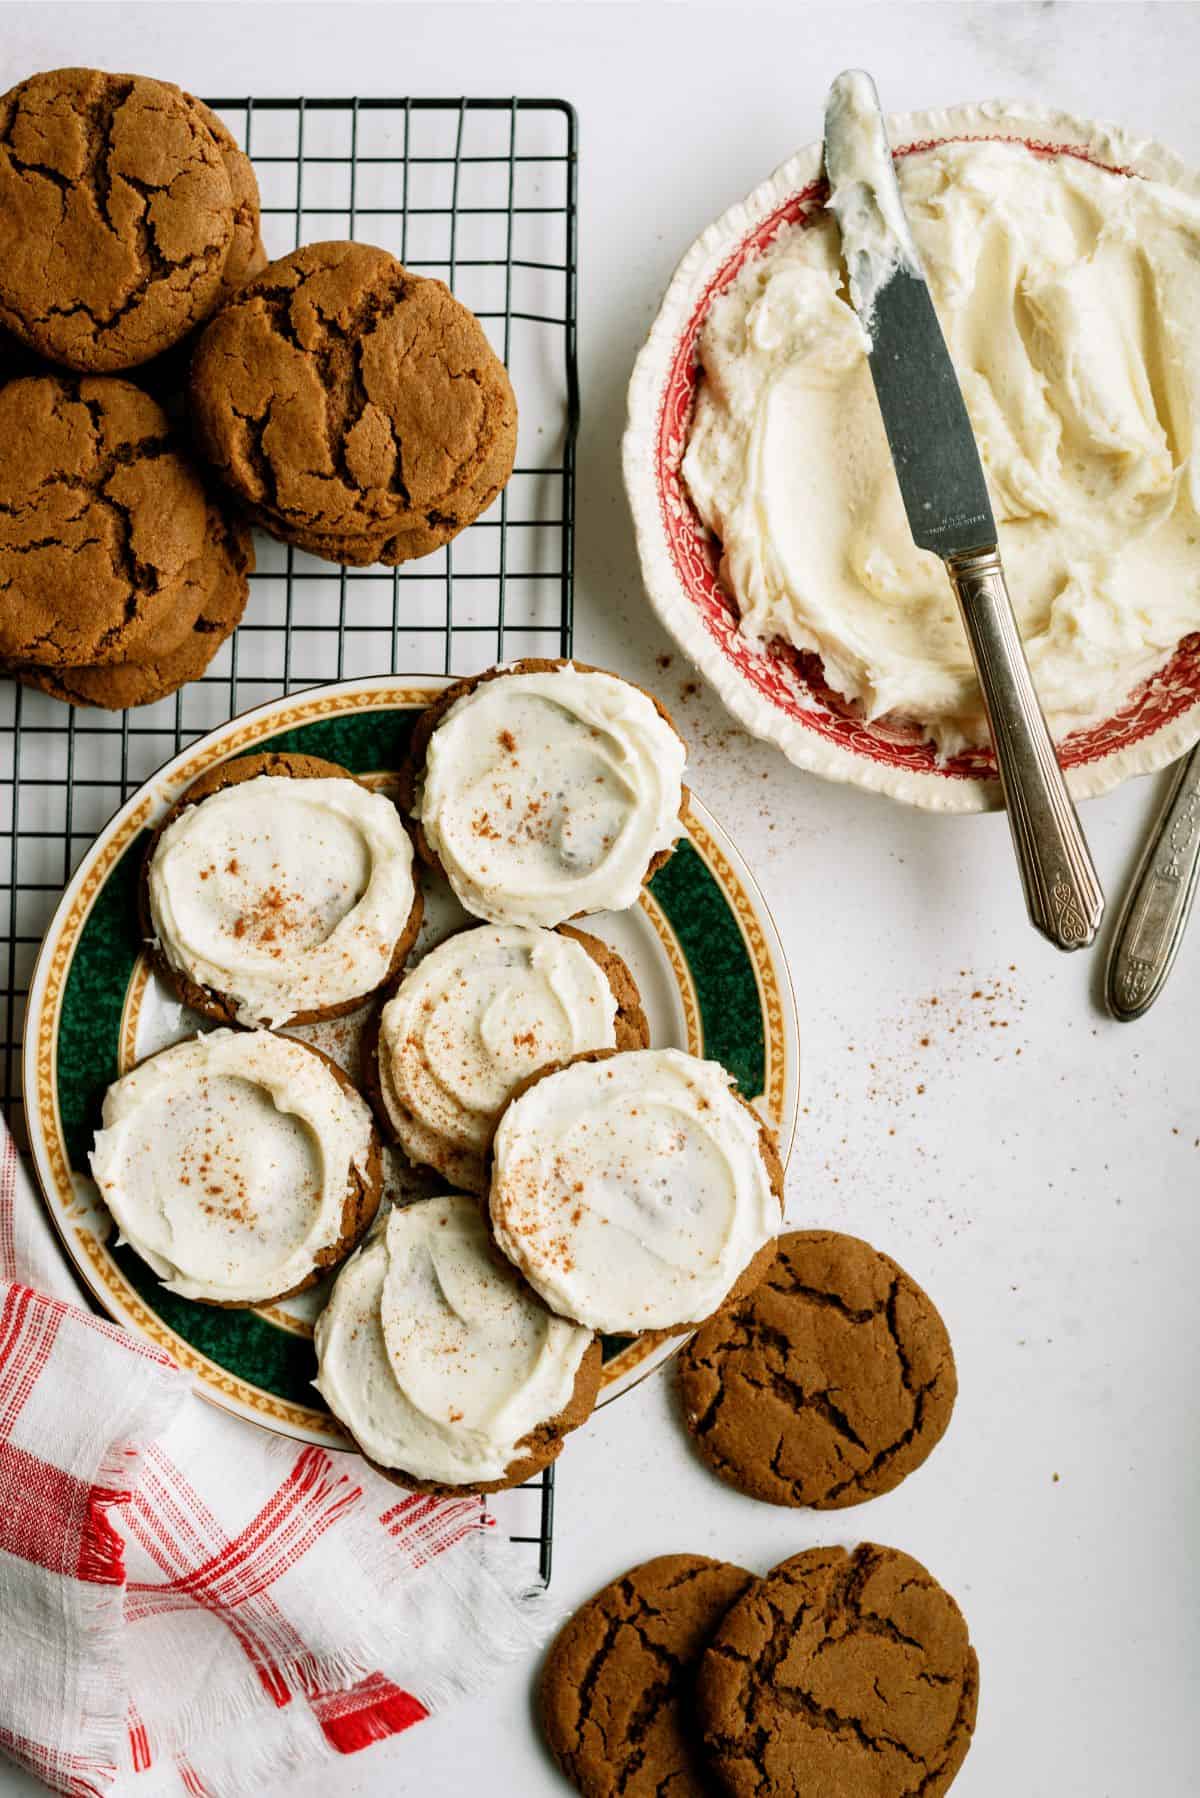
(216, 1383)
(284, 1320)
(679, 967)
(131, 1013)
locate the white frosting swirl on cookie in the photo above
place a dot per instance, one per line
(632, 1192)
(435, 1356)
(480, 1014)
(227, 1160)
(287, 895)
(547, 794)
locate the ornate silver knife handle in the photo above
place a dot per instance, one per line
(1062, 891)
(1160, 897)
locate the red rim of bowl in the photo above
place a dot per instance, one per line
(792, 680)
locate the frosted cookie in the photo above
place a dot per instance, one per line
(239, 1165)
(280, 890)
(546, 790)
(475, 1019)
(636, 1191)
(442, 1364)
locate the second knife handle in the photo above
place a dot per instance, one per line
(1160, 899)
(1062, 891)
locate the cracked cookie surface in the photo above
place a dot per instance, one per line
(825, 1387)
(616, 1690)
(116, 217)
(214, 601)
(247, 256)
(840, 1675)
(110, 544)
(357, 410)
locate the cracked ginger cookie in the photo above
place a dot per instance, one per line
(826, 1386)
(247, 256)
(116, 217)
(843, 1674)
(356, 409)
(208, 611)
(617, 1684)
(109, 540)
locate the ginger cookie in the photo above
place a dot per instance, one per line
(616, 1689)
(109, 539)
(116, 217)
(356, 409)
(247, 257)
(161, 665)
(18, 360)
(472, 1393)
(840, 1674)
(469, 1024)
(279, 890)
(825, 1387)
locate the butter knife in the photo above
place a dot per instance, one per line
(1156, 910)
(946, 499)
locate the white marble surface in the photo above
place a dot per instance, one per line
(1034, 1164)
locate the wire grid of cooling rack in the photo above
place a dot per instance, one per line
(481, 194)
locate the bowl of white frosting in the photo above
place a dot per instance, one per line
(1063, 258)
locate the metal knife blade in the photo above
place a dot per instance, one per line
(928, 430)
(946, 499)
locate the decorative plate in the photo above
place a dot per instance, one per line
(700, 943)
(771, 688)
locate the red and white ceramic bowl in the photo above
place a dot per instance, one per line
(775, 691)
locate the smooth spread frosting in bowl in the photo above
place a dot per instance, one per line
(227, 1161)
(547, 793)
(632, 1191)
(287, 895)
(437, 1359)
(1070, 301)
(480, 1014)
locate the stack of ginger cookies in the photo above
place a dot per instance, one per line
(164, 388)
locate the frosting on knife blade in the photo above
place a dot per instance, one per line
(876, 240)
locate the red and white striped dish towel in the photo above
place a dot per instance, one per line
(188, 1604)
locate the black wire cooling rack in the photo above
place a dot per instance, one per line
(482, 194)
